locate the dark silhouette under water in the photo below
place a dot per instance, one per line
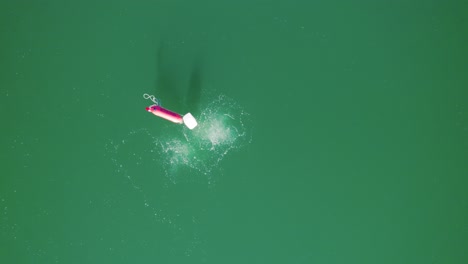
(192, 100)
(168, 89)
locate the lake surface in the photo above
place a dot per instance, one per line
(328, 132)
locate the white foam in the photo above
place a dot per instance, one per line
(222, 127)
(154, 163)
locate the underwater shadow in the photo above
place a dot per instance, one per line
(167, 89)
(165, 84)
(193, 95)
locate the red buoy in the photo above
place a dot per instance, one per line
(166, 114)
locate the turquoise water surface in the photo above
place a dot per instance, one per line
(328, 132)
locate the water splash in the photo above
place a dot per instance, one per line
(183, 154)
(222, 128)
(156, 163)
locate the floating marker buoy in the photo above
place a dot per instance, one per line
(157, 110)
(166, 114)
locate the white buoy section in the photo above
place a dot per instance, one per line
(190, 121)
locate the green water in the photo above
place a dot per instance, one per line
(329, 132)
